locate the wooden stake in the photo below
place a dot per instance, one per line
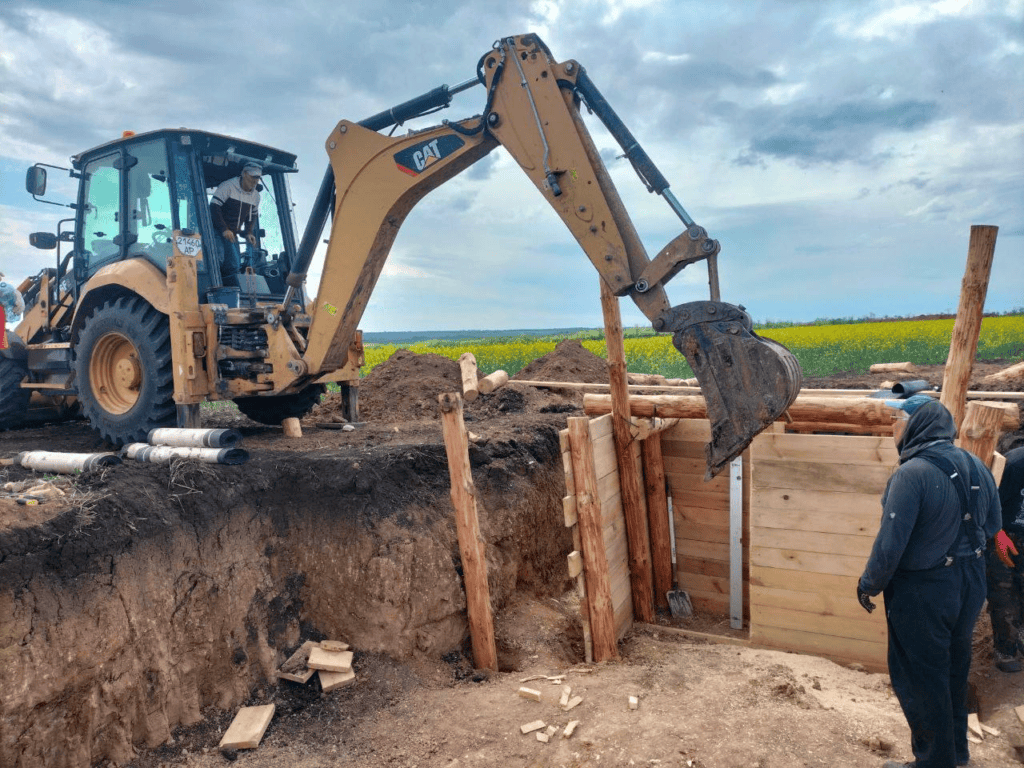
(980, 431)
(470, 388)
(657, 518)
(967, 327)
(471, 543)
(600, 613)
(637, 537)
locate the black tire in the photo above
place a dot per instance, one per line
(124, 372)
(275, 409)
(13, 399)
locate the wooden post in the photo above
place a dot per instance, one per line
(471, 544)
(595, 562)
(292, 427)
(980, 431)
(637, 536)
(657, 518)
(967, 327)
(467, 362)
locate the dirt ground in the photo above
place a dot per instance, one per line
(701, 704)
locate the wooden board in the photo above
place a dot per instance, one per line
(330, 661)
(330, 681)
(823, 476)
(248, 727)
(843, 650)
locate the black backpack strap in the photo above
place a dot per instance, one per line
(968, 492)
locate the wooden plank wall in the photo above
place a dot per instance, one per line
(613, 520)
(701, 513)
(815, 510)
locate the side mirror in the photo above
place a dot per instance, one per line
(35, 181)
(44, 241)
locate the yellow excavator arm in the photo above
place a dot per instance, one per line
(532, 109)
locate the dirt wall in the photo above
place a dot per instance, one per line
(184, 588)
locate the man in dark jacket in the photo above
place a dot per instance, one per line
(1006, 568)
(938, 510)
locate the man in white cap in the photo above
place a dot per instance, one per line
(235, 207)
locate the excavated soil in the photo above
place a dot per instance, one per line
(142, 608)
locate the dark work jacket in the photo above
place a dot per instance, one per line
(921, 511)
(1011, 491)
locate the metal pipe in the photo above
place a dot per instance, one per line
(195, 438)
(164, 454)
(66, 463)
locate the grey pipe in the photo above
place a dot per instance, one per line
(194, 438)
(163, 454)
(66, 463)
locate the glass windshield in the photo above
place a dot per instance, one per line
(102, 182)
(149, 204)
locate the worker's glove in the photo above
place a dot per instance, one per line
(865, 600)
(1005, 548)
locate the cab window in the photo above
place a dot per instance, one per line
(100, 218)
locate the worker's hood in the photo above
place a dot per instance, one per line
(928, 425)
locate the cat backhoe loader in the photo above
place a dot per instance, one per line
(135, 327)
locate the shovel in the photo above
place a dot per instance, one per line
(679, 604)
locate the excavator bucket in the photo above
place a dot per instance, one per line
(747, 381)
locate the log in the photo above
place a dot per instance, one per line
(470, 386)
(967, 327)
(865, 411)
(646, 379)
(600, 612)
(980, 431)
(892, 368)
(657, 519)
(1013, 373)
(638, 539)
(292, 427)
(467, 525)
(491, 382)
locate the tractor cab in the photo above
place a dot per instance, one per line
(136, 192)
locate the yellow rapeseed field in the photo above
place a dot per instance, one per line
(822, 350)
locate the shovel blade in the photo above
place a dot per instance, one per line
(679, 604)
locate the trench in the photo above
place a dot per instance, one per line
(183, 588)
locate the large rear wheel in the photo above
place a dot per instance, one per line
(124, 370)
(13, 399)
(275, 409)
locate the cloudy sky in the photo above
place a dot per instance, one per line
(839, 151)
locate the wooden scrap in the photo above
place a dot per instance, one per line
(574, 702)
(566, 693)
(334, 645)
(330, 661)
(973, 739)
(634, 703)
(529, 693)
(1020, 713)
(570, 729)
(552, 730)
(296, 667)
(332, 680)
(543, 737)
(248, 727)
(575, 564)
(533, 677)
(536, 725)
(991, 731)
(974, 725)
(893, 368)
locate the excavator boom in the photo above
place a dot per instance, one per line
(532, 109)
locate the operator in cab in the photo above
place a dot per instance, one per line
(235, 207)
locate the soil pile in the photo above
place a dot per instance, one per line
(569, 361)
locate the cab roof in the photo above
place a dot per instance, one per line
(208, 145)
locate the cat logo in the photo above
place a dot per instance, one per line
(413, 160)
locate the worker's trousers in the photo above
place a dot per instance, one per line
(931, 616)
(230, 261)
(1006, 599)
